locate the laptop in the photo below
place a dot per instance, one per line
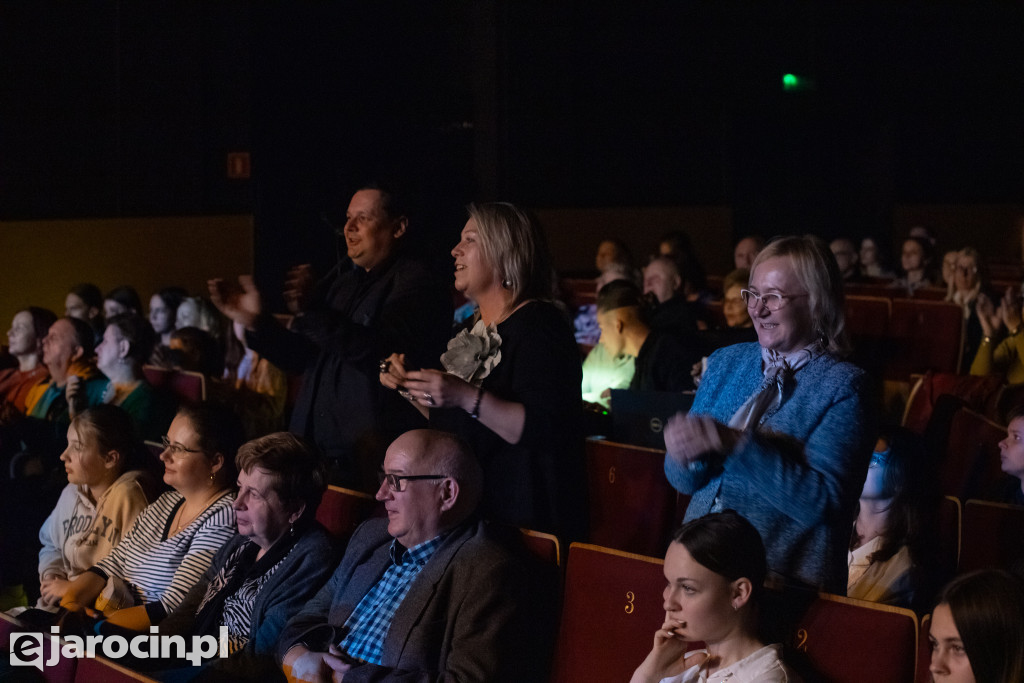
(638, 417)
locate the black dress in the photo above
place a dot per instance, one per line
(538, 483)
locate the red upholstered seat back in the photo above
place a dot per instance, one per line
(342, 510)
(632, 505)
(612, 607)
(993, 536)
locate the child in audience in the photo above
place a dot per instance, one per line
(104, 495)
(977, 630)
(891, 545)
(715, 567)
(1011, 456)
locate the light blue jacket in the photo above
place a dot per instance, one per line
(798, 476)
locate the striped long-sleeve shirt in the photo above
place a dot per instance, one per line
(161, 570)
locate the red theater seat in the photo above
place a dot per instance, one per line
(632, 505)
(926, 335)
(342, 510)
(188, 387)
(852, 641)
(612, 606)
(993, 536)
(545, 546)
(970, 465)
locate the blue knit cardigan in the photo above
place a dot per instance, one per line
(797, 477)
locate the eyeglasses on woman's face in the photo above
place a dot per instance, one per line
(176, 449)
(772, 301)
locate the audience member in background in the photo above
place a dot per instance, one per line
(74, 385)
(874, 261)
(669, 309)
(977, 629)
(949, 272)
(892, 554)
(970, 280)
(746, 251)
(1011, 457)
(922, 232)
(104, 495)
(663, 362)
(128, 343)
(915, 265)
(847, 257)
(715, 568)
(585, 322)
(260, 388)
(603, 372)
(199, 312)
(738, 325)
(1002, 342)
(123, 299)
(782, 430)
(25, 344)
(276, 563)
(380, 300)
(431, 593)
(677, 246)
(85, 302)
(195, 350)
(173, 541)
(163, 312)
(613, 251)
(512, 386)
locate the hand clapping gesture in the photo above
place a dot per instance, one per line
(241, 303)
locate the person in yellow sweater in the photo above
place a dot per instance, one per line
(1003, 356)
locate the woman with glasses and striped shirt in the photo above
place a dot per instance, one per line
(174, 540)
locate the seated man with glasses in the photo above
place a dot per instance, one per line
(430, 591)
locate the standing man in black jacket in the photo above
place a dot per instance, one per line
(376, 302)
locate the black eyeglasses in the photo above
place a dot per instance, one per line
(396, 482)
(176, 449)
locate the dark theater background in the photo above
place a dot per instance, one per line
(121, 124)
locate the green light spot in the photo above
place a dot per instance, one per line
(790, 81)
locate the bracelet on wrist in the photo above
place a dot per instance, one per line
(475, 412)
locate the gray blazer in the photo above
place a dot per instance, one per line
(480, 609)
(798, 476)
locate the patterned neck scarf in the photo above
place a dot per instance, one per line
(778, 368)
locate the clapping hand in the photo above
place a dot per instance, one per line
(298, 288)
(241, 303)
(688, 437)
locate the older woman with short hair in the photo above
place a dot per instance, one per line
(781, 430)
(512, 386)
(277, 562)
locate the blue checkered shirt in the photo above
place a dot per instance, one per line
(369, 622)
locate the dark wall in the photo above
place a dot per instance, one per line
(112, 109)
(115, 109)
